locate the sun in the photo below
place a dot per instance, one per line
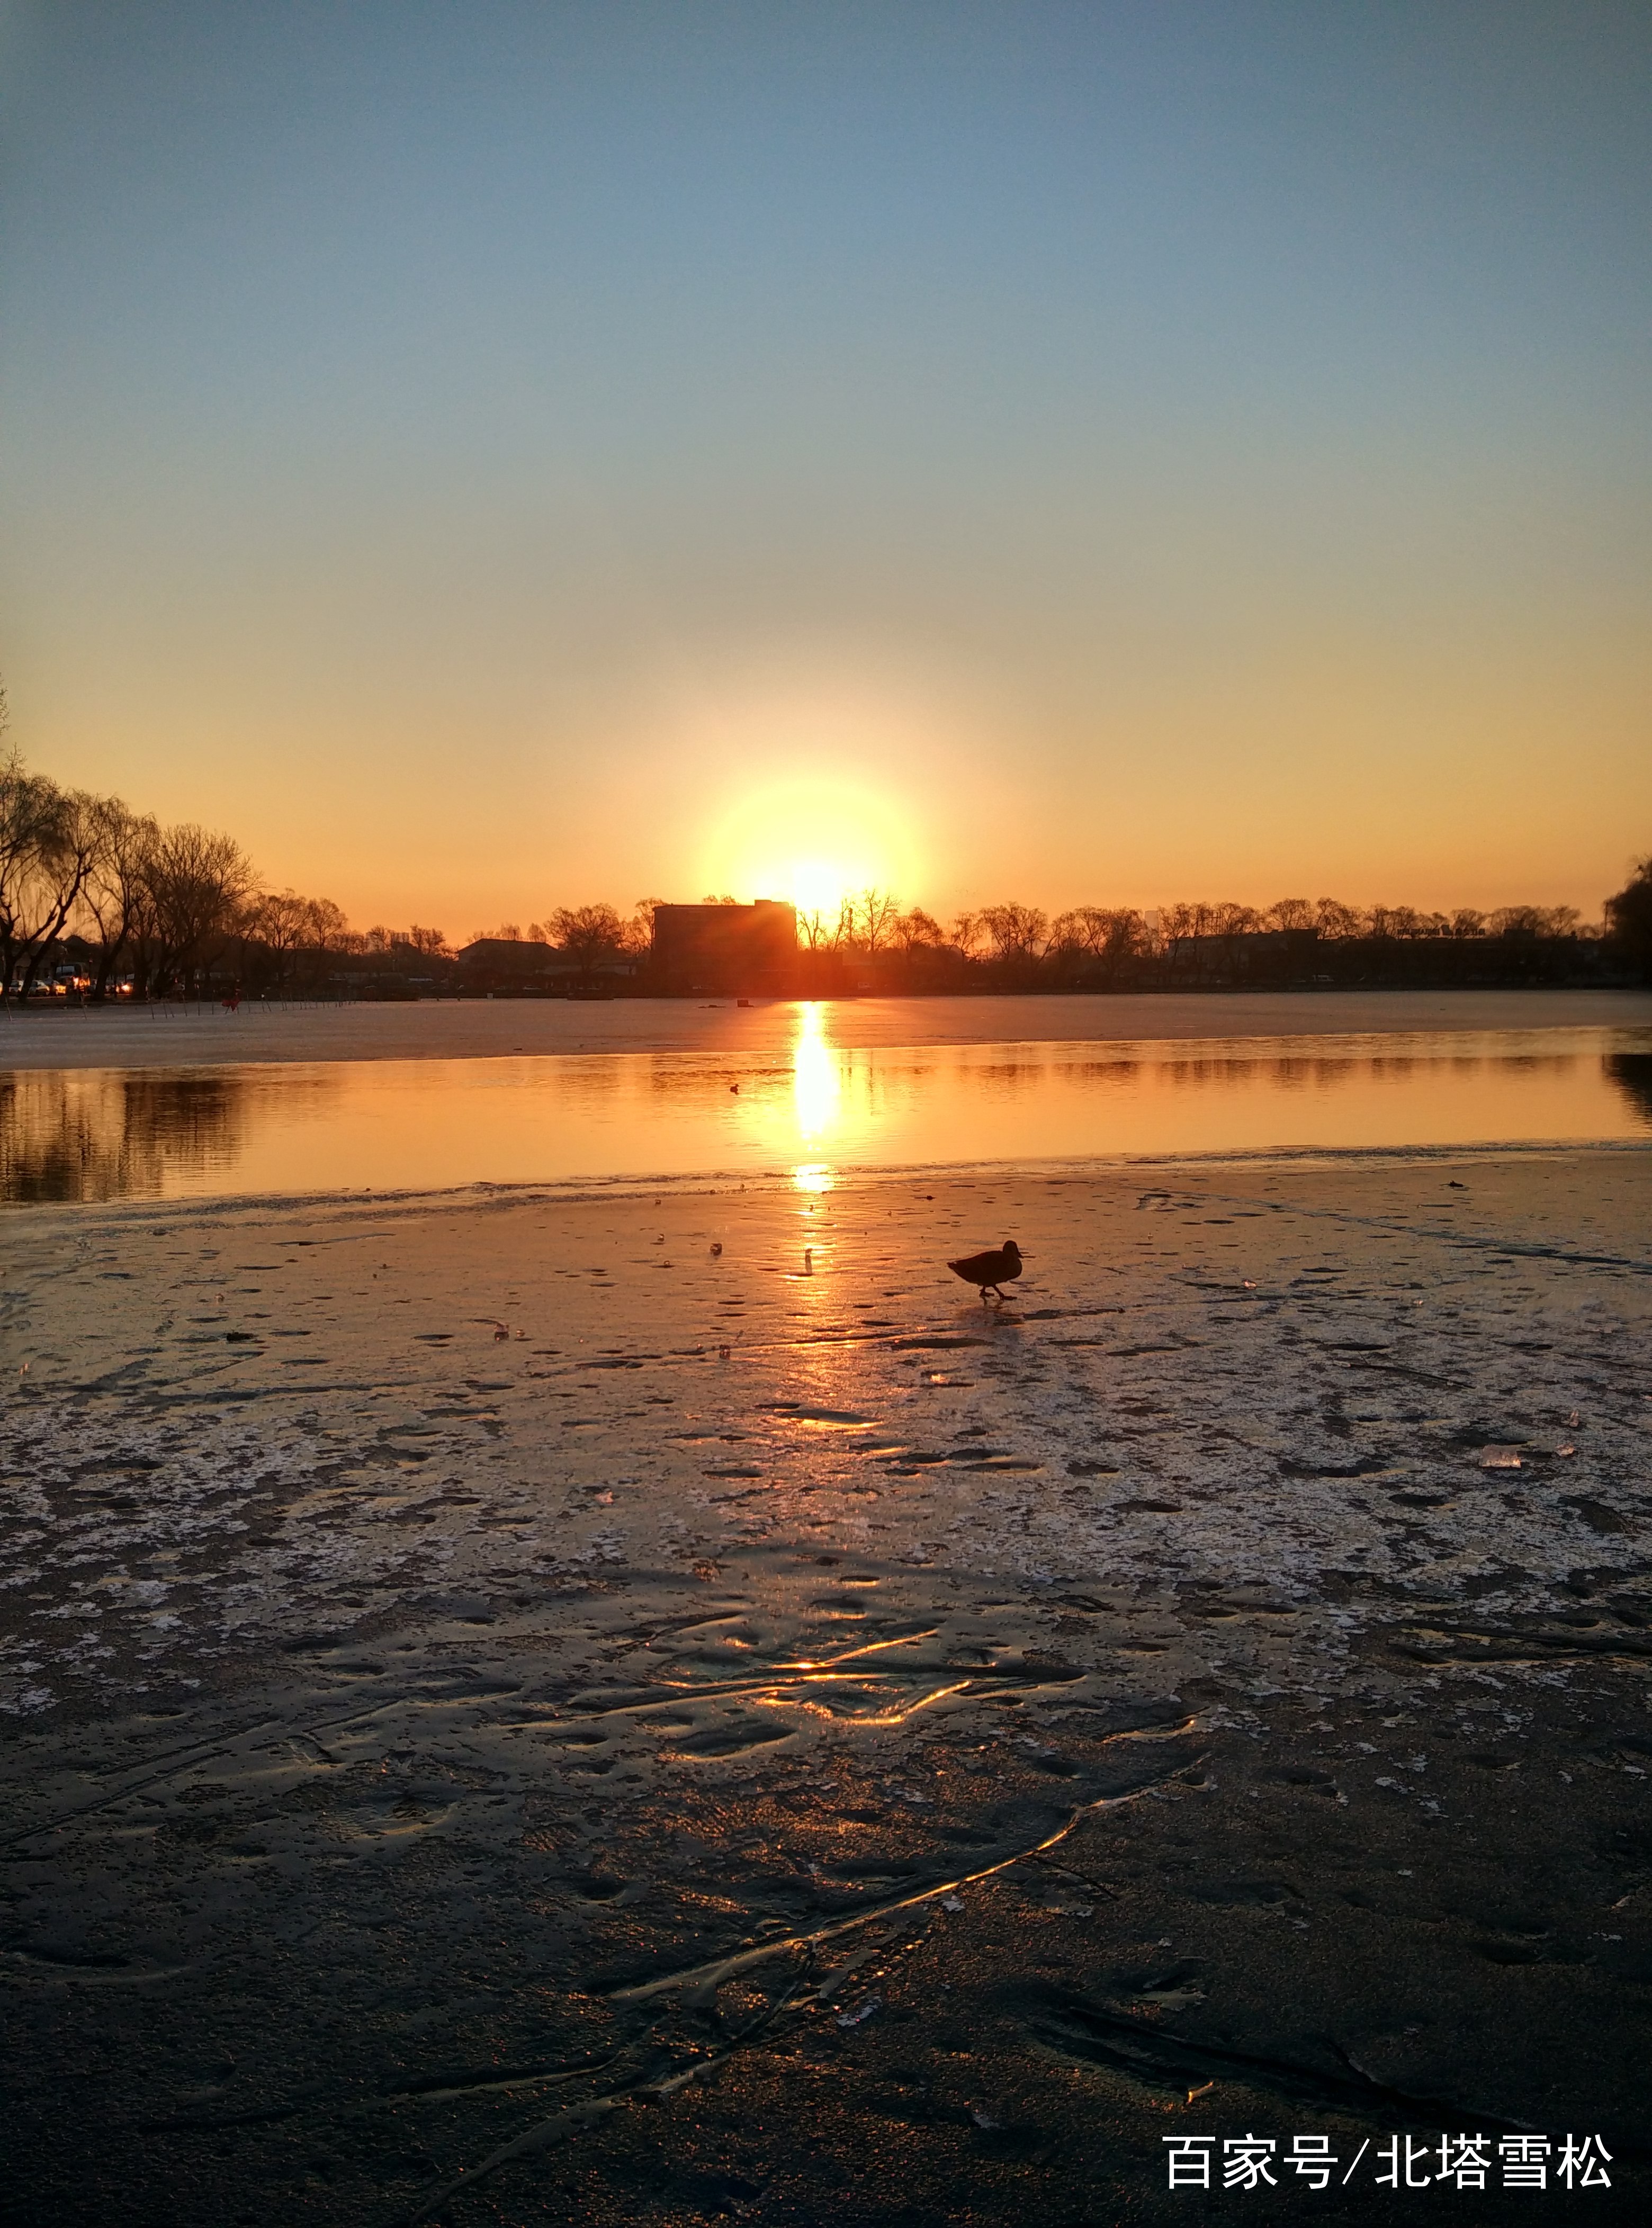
(818, 885)
(819, 769)
(814, 842)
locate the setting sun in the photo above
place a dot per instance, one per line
(816, 886)
(814, 843)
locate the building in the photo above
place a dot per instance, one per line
(498, 964)
(727, 948)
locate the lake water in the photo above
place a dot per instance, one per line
(805, 1112)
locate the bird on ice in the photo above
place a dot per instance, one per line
(989, 1271)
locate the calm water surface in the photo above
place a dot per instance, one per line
(394, 1125)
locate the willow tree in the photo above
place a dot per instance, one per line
(49, 838)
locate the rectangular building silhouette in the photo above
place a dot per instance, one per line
(731, 948)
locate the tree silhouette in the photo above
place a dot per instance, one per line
(875, 914)
(1017, 931)
(590, 934)
(1629, 917)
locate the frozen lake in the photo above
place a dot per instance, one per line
(805, 1106)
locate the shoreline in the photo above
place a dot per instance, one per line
(780, 1183)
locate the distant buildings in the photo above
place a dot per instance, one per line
(727, 948)
(511, 967)
(512, 956)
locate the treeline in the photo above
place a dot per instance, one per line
(592, 936)
(166, 909)
(1116, 938)
(172, 909)
(873, 936)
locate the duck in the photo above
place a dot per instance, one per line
(991, 1269)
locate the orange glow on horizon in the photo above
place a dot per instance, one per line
(824, 784)
(816, 844)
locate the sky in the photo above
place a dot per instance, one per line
(501, 454)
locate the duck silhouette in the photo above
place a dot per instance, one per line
(989, 1271)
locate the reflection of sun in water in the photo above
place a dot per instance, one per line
(816, 1088)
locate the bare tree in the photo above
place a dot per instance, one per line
(820, 931)
(196, 883)
(280, 924)
(328, 933)
(1337, 922)
(1535, 920)
(874, 914)
(917, 930)
(112, 894)
(1404, 923)
(1178, 926)
(589, 934)
(428, 943)
(639, 929)
(48, 837)
(1067, 938)
(1017, 931)
(1290, 914)
(1228, 918)
(969, 935)
(1107, 936)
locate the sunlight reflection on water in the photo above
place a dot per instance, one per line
(816, 1084)
(390, 1125)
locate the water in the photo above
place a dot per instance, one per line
(818, 1108)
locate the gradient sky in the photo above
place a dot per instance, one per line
(494, 455)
